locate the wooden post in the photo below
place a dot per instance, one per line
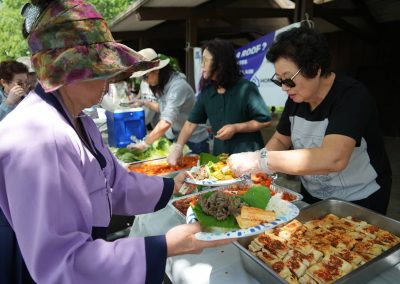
(191, 41)
(302, 7)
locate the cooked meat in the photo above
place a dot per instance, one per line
(220, 205)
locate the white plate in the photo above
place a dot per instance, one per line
(208, 182)
(291, 211)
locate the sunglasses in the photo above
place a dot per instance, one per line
(145, 77)
(287, 82)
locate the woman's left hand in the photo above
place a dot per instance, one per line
(180, 186)
(226, 132)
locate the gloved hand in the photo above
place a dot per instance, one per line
(15, 95)
(249, 162)
(141, 146)
(175, 154)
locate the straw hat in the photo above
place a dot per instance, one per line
(70, 41)
(150, 55)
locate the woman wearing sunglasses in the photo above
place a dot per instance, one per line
(13, 85)
(175, 101)
(329, 130)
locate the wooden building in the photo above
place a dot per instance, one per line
(361, 33)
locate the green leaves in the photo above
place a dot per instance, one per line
(205, 158)
(210, 223)
(12, 44)
(110, 9)
(257, 196)
(159, 149)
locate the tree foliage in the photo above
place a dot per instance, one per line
(12, 43)
(111, 8)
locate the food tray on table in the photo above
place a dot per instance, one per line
(362, 274)
(161, 167)
(181, 204)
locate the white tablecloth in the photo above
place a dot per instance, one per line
(217, 265)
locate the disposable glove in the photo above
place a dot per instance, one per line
(15, 95)
(141, 146)
(249, 162)
(175, 154)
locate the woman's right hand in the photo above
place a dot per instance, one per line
(175, 154)
(15, 95)
(181, 240)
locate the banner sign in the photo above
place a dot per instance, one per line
(257, 69)
(197, 55)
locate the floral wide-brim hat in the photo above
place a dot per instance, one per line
(70, 41)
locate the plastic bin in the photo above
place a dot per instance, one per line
(122, 124)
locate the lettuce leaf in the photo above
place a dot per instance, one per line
(159, 149)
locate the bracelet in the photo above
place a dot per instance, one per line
(264, 160)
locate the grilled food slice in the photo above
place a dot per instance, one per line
(253, 213)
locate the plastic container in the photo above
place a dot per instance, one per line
(122, 124)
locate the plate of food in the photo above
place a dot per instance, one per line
(214, 174)
(181, 203)
(223, 215)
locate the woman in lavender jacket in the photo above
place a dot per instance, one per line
(59, 184)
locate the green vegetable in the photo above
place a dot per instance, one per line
(257, 196)
(210, 223)
(159, 149)
(205, 158)
(162, 144)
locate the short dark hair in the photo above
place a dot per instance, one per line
(305, 47)
(164, 75)
(11, 67)
(224, 64)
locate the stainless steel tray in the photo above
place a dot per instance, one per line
(156, 161)
(273, 187)
(362, 274)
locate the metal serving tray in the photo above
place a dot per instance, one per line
(156, 161)
(273, 187)
(362, 274)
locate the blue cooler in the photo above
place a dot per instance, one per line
(122, 124)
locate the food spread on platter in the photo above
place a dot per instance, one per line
(321, 250)
(212, 168)
(159, 149)
(261, 179)
(183, 203)
(212, 171)
(162, 167)
(217, 210)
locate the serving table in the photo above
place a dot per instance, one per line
(215, 265)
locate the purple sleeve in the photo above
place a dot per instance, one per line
(51, 213)
(133, 193)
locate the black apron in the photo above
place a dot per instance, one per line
(12, 266)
